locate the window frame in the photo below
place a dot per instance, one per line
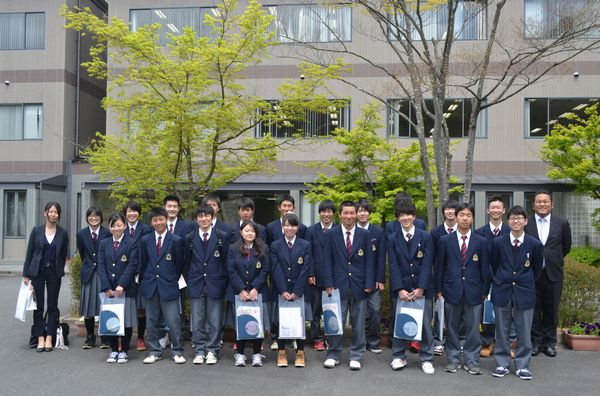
(527, 113)
(22, 131)
(5, 225)
(24, 32)
(546, 35)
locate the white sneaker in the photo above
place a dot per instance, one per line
(165, 341)
(178, 359)
(398, 364)
(112, 357)
(211, 358)
(240, 360)
(198, 359)
(438, 350)
(427, 368)
(257, 360)
(330, 363)
(274, 346)
(122, 358)
(152, 359)
(354, 365)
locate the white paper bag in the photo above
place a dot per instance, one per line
(24, 301)
(291, 319)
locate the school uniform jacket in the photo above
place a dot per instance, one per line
(226, 228)
(118, 268)
(320, 251)
(353, 272)
(471, 280)
(274, 232)
(206, 267)
(410, 269)
(247, 272)
(378, 246)
(161, 273)
(290, 269)
(35, 247)
(515, 276)
(183, 228)
(141, 229)
(486, 232)
(88, 251)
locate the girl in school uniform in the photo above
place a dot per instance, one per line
(291, 259)
(88, 239)
(248, 266)
(117, 266)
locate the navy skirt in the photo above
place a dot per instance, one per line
(89, 302)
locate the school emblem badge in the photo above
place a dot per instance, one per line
(217, 254)
(123, 259)
(419, 254)
(527, 264)
(360, 252)
(475, 257)
(374, 247)
(168, 257)
(300, 260)
(258, 265)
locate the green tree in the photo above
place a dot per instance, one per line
(573, 153)
(187, 119)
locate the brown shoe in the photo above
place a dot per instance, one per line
(486, 350)
(299, 359)
(282, 359)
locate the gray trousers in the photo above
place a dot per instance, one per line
(206, 316)
(399, 346)
(155, 307)
(467, 316)
(373, 318)
(358, 314)
(522, 319)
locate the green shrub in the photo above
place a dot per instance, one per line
(581, 294)
(74, 277)
(587, 255)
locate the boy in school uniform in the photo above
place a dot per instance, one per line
(493, 229)
(410, 256)
(285, 203)
(215, 202)
(395, 226)
(463, 280)
(516, 261)
(162, 258)
(379, 251)
(207, 279)
(245, 208)
(316, 234)
(351, 269)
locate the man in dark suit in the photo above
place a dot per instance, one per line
(285, 203)
(245, 208)
(555, 234)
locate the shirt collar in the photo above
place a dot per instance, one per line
(521, 238)
(163, 235)
(293, 241)
(366, 227)
(547, 217)
(411, 232)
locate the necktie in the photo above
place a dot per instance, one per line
(159, 244)
(348, 243)
(543, 234)
(131, 231)
(408, 236)
(116, 245)
(94, 236)
(205, 237)
(516, 249)
(516, 244)
(248, 253)
(325, 230)
(496, 231)
(290, 246)
(463, 249)
(171, 228)
(450, 229)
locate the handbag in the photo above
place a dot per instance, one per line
(332, 313)
(408, 324)
(248, 319)
(291, 319)
(112, 316)
(25, 301)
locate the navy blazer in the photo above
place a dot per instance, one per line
(224, 227)
(486, 232)
(518, 275)
(236, 236)
(160, 274)
(247, 272)
(274, 231)
(557, 246)
(206, 268)
(436, 234)
(118, 268)
(141, 229)
(471, 281)
(354, 272)
(88, 251)
(290, 269)
(320, 251)
(183, 228)
(395, 226)
(35, 249)
(412, 269)
(378, 245)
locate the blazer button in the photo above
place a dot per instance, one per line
(514, 273)
(114, 264)
(289, 269)
(289, 280)
(157, 275)
(113, 275)
(349, 263)
(93, 254)
(514, 283)
(247, 283)
(204, 274)
(413, 275)
(94, 264)
(205, 264)
(350, 273)
(411, 264)
(247, 272)
(158, 266)
(463, 278)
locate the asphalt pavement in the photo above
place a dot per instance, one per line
(23, 371)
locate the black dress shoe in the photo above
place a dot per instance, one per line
(48, 349)
(39, 349)
(550, 351)
(535, 350)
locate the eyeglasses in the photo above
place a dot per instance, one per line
(516, 218)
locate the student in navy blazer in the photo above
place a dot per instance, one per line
(88, 239)
(174, 224)
(215, 202)
(285, 203)
(410, 256)
(395, 226)
(352, 270)
(206, 277)
(44, 266)
(463, 280)
(117, 266)
(248, 265)
(516, 261)
(245, 208)
(316, 235)
(162, 257)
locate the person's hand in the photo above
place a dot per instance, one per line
(439, 296)
(293, 297)
(244, 295)
(26, 280)
(329, 291)
(286, 296)
(404, 296)
(109, 293)
(119, 291)
(312, 280)
(416, 294)
(368, 290)
(253, 295)
(379, 286)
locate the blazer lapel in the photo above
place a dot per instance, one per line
(401, 245)
(165, 245)
(212, 243)
(415, 243)
(454, 246)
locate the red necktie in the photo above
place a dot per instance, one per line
(131, 232)
(290, 246)
(116, 245)
(348, 243)
(463, 249)
(171, 228)
(450, 230)
(408, 236)
(94, 236)
(248, 253)
(205, 237)
(496, 231)
(159, 244)
(516, 244)
(325, 230)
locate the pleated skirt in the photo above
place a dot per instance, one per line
(130, 312)
(89, 302)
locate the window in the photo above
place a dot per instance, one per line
(21, 121)
(313, 124)
(541, 114)
(470, 22)
(310, 23)
(456, 112)
(14, 214)
(552, 18)
(173, 20)
(22, 31)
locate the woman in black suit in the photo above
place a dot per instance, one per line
(44, 266)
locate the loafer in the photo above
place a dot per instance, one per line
(150, 359)
(500, 372)
(354, 365)
(452, 367)
(524, 374)
(331, 363)
(211, 358)
(535, 350)
(178, 359)
(398, 364)
(549, 351)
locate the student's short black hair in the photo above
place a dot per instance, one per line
(540, 192)
(450, 204)
(56, 205)
(364, 204)
(211, 197)
(347, 204)
(204, 209)
(496, 198)
(245, 203)
(157, 212)
(405, 207)
(291, 218)
(327, 204)
(93, 210)
(115, 217)
(465, 205)
(171, 197)
(517, 210)
(285, 197)
(402, 196)
(134, 206)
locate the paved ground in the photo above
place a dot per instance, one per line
(78, 371)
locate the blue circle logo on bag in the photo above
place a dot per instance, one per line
(248, 325)
(331, 320)
(111, 322)
(409, 328)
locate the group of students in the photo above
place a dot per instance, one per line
(208, 263)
